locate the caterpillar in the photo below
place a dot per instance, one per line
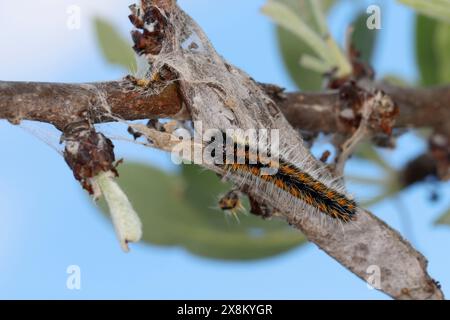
(297, 185)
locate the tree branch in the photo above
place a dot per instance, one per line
(60, 104)
(319, 112)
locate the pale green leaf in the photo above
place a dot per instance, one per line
(292, 22)
(438, 9)
(306, 20)
(292, 48)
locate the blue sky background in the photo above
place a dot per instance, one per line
(47, 223)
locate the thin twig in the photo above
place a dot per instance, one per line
(350, 145)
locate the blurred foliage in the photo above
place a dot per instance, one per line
(438, 9)
(432, 47)
(292, 49)
(178, 210)
(116, 49)
(363, 38)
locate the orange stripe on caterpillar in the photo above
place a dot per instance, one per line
(300, 185)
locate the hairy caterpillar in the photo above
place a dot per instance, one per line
(296, 184)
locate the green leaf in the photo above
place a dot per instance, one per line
(292, 48)
(293, 22)
(176, 210)
(425, 50)
(363, 38)
(432, 47)
(303, 8)
(115, 48)
(442, 44)
(444, 219)
(438, 9)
